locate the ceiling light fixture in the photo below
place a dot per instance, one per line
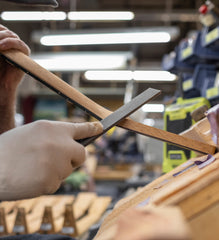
(105, 38)
(67, 61)
(125, 75)
(33, 16)
(153, 108)
(119, 75)
(153, 76)
(100, 16)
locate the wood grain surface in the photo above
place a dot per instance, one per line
(195, 191)
(71, 94)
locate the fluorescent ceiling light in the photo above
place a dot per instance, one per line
(120, 75)
(149, 122)
(153, 76)
(125, 75)
(66, 61)
(74, 16)
(105, 38)
(153, 108)
(33, 16)
(100, 16)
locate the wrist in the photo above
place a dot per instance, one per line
(7, 96)
(7, 110)
(9, 81)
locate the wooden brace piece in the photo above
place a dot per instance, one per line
(25, 63)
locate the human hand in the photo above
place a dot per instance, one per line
(152, 223)
(37, 157)
(10, 76)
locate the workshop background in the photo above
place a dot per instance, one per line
(170, 45)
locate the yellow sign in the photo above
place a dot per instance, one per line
(187, 52)
(212, 35)
(212, 92)
(188, 84)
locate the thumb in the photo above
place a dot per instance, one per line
(88, 129)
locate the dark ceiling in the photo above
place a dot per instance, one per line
(178, 13)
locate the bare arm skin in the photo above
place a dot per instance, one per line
(152, 223)
(10, 77)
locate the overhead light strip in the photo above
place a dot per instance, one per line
(158, 108)
(73, 15)
(67, 61)
(126, 75)
(33, 16)
(105, 38)
(101, 16)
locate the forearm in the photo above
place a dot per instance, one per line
(10, 77)
(7, 110)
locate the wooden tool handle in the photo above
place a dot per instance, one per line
(71, 94)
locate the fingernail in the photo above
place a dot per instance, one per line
(98, 127)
